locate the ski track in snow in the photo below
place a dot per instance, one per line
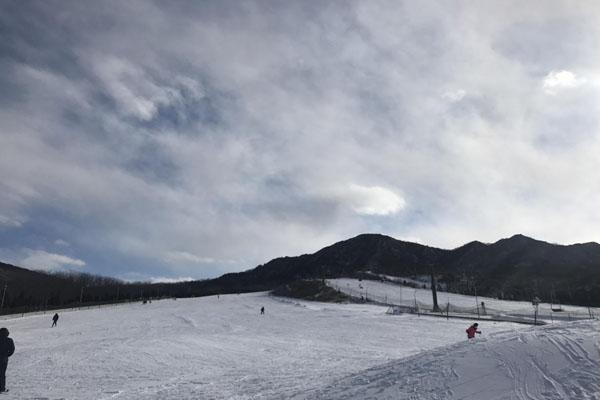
(209, 348)
(552, 362)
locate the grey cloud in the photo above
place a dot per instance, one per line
(233, 131)
(556, 43)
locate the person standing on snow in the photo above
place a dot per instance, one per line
(472, 330)
(262, 310)
(54, 320)
(7, 348)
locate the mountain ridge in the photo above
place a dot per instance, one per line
(518, 267)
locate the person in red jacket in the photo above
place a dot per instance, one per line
(472, 330)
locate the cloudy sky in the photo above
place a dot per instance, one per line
(154, 140)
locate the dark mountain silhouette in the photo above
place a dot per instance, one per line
(518, 267)
(515, 268)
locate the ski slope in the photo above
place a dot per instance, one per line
(393, 293)
(213, 348)
(553, 362)
(222, 348)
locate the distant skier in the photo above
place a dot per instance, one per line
(54, 320)
(472, 330)
(262, 310)
(7, 348)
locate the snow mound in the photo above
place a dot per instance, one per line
(552, 362)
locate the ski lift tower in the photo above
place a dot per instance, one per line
(436, 307)
(536, 303)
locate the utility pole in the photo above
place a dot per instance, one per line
(3, 294)
(476, 299)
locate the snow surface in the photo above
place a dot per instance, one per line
(393, 293)
(210, 348)
(559, 361)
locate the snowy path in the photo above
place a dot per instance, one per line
(209, 348)
(552, 362)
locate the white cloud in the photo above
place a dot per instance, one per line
(10, 222)
(374, 200)
(557, 80)
(60, 242)
(136, 92)
(176, 257)
(161, 279)
(42, 260)
(454, 96)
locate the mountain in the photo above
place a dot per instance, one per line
(521, 267)
(518, 267)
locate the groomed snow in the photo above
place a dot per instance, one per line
(209, 348)
(560, 361)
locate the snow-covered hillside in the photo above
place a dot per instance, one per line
(209, 348)
(222, 348)
(393, 293)
(561, 361)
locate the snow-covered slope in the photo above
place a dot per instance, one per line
(393, 293)
(209, 348)
(552, 362)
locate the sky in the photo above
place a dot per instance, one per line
(153, 140)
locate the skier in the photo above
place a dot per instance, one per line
(472, 330)
(54, 320)
(262, 310)
(7, 348)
